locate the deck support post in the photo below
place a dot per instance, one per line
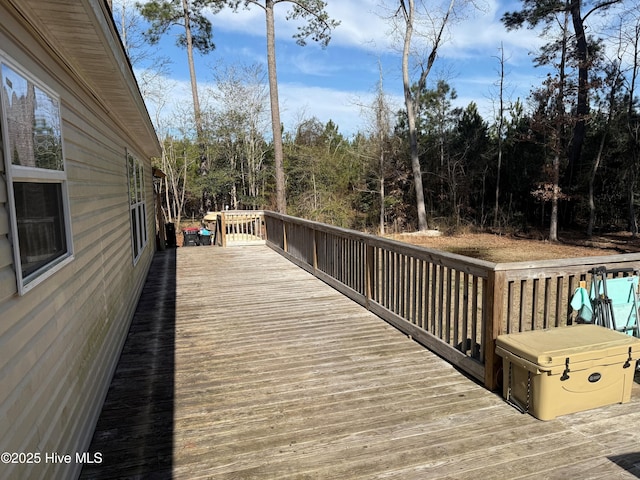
(493, 313)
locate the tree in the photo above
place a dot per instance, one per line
(236, 126)
(499, 135)
(323, 171)
(381, 133)
(632, 38)
(410, 16)
(150, 66)
(552, 12)
(145, 58)
(524, 152)
(177, 161)
(318, 27)
(549, 120)
(468, 169)
(435, 121)
(189, 15)
(613, 82)
(551, 98)
(374, 148)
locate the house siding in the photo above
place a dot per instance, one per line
(59, 343)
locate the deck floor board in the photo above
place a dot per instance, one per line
(244, 366)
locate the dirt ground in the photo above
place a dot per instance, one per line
(516, 248)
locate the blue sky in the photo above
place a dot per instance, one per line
(333, 83)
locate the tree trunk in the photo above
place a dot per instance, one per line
(281, 201)
(381, 185)
(592, 178)
(633, 223)
(632, 130)
(382, 127)
(598, 159)
(411, 119)
(500, 127)
(558, 137)
(203, 167)
(192, 70)
(582, 104)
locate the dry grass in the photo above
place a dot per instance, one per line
(506, 248)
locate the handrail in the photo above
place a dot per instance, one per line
(455, 305)
(435, 297)
(240, 227)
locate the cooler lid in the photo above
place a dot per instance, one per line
(550, 348)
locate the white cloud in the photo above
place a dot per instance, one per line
(310, 62)
(479, 33)
(249, 21)
(359, 25)
(297, 102)
(331, 83)
(341, 107)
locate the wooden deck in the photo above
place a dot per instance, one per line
(239, 365)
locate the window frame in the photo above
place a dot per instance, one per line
(137, 205)
(34, 175)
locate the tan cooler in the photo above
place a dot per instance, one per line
(569, 369)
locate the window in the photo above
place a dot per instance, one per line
(36, 177)
(137, 206)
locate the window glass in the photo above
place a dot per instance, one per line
(33, 123)
(137, 205)
(134, 232)
(143, 218)
(132, 179)
(40, 219)
(38, 203)
(140, 183)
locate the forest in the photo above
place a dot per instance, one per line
(565, 157)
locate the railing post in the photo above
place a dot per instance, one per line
(315, 248)
(369, 272)
(223, 229)
(263, 227)
(492, 325)
(285, 246)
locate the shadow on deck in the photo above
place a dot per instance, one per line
(136, 427)
(239, 365)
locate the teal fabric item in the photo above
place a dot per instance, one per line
(582, 304)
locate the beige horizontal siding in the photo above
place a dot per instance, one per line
(3, 187)
(7, 275)
(59, 342)
(7, 278)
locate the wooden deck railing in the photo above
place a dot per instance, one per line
(455, 305)
(240, 228)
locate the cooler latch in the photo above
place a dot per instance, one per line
(565, 374)
(627, 364)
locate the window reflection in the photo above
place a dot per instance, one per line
(33, 123)
(137, 205)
